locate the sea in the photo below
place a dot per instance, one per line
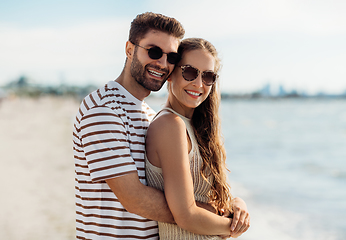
(287, 160)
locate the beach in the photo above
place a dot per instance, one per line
(287, 161)
(37, 168)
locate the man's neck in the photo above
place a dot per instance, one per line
(131, 85)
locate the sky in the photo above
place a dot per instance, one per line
(299, 44)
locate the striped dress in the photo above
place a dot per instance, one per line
(108, 142)
(201, 186)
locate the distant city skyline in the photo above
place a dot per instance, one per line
(297, 44)
(24, 86)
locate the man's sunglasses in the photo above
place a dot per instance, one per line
(191, 73)
(156, 53)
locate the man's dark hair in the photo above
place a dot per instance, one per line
(145, 22)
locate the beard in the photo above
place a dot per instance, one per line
(138, 72)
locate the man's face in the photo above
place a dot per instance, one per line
(153, 73)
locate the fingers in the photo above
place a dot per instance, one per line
(240, 223)
(236, 216)
(244, 227)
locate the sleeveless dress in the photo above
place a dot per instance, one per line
(201, 186)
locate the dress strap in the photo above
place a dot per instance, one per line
(176, 113)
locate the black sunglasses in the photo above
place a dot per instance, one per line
(191, 73)
(156, 53)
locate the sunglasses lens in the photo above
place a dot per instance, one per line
(209, 78)
(190, 73)
(173, 58)
(155, 52)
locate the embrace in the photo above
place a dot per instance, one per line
(146, 175)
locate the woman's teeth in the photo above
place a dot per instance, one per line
(193, 93)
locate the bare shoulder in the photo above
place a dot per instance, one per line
(167, 128)
(166, 123)
(166, 140)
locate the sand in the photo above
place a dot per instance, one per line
(37, 168)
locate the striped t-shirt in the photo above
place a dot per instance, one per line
(108, 138)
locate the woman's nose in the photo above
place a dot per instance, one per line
(198, 81)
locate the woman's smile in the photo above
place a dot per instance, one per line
(193, 94)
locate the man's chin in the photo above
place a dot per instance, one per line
(154, 86)
(154, 89)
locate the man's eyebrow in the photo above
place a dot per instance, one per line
(152, 45)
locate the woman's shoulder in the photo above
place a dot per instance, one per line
(165, 138)
(167, 118)
(167, 122)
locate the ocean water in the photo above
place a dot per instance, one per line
(288, 162)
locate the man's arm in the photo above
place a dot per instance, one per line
(143, 200)
(140, 199)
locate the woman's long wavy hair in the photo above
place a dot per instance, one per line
(207, 128)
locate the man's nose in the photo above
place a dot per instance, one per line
(163, 61)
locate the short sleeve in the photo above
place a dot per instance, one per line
(106, 145)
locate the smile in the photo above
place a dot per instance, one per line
(154, 73)
(194, 93)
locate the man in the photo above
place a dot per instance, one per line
(112, 199)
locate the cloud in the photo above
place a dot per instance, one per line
(219, 19)
(75, 52)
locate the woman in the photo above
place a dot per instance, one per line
(185, 156)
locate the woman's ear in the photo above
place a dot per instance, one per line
(129, 49)
(169, 79)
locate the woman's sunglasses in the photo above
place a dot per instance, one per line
(191, 73)
(156, 53)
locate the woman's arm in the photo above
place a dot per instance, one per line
(167, 142)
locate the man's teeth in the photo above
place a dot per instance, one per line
(193, 93)
(155, 73)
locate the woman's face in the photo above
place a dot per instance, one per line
(190, 94)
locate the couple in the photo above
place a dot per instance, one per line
(129, 175)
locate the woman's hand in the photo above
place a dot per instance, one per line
(241, 218)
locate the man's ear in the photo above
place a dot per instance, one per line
(129, 49)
